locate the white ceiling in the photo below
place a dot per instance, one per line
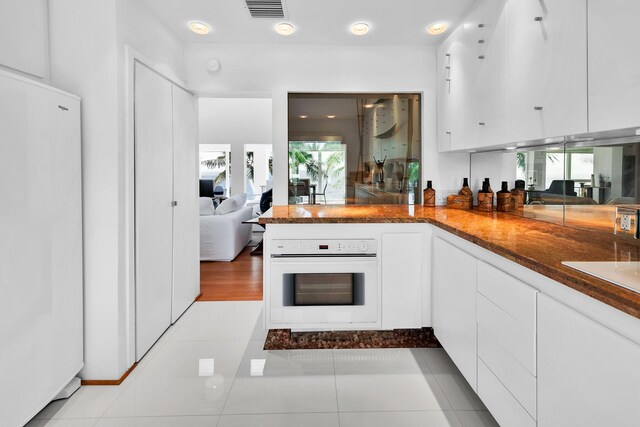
(392, 22)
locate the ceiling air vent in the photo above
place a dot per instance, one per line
(265, 8)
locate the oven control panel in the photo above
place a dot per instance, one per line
(314, 247)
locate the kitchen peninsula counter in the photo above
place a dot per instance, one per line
(534, 244)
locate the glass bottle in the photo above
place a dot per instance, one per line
(503, 202)
(429, 195)
(465, 190)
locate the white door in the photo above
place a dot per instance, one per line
(186, 221)
(614, 75)
(153, 210)
(547, 60)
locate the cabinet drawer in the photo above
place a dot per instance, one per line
(520, 383)
(502, 405)
(516, 338)
(511, 295)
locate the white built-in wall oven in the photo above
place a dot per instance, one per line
(319, 284)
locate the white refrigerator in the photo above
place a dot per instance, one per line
(41, 324)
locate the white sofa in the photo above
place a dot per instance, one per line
(222, 237)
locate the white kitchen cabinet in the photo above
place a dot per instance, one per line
(454, 306)
(486, 35)
(41, 312)
(452, 75)
(587, 374)
(23, 31)
(547, 66)
(614, 75)
(401, 280)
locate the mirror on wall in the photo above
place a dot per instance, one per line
(354, 148)
(580, 184)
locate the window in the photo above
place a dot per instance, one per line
(215, 164)
(354, 148)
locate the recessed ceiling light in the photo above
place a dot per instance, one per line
(285, 29)
(303, 117)
(510, 148)
(438, 28)
(199, 27)
(554, 148)
(368, 105)
(360, 29)
(331, 116)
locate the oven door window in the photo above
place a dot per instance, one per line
(322, 289)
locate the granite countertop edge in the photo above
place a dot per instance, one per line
(620, 298)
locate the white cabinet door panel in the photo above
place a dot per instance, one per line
(587, 374)
(186, 221)
(41, 316)
(547, 65)
(401, 280)
(488, 100)
(153, 210)
(614, 71)
(454, 306)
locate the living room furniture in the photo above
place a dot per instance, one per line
(167, 274)
(560, 186)
(302, 188)
(323, 193)
(223, 237)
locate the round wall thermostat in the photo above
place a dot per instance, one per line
(213, 65)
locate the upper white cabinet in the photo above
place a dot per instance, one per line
(452, 85)
(587, 374)
(23, 31)
(614, 72)
(547, 60)
(486, 34)
(454, 306)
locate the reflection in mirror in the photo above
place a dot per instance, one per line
(354, 148)
(579, 184)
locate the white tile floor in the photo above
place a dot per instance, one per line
(209, 369)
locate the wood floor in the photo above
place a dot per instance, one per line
(238, 280)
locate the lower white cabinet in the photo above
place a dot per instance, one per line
(401, 280)
(587, 374)
(454, 306)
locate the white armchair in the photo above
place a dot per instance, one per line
(222, 237)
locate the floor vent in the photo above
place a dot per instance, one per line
(265, 8)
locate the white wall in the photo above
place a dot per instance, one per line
(87, 56)
(235, 121)
(277, 70)
(24, 45)
(83, 61)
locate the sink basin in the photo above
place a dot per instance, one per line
(625, 274)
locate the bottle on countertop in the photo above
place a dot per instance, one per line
(465, 190)
(429, 195)
(488, 185)
(503, 202)
(517, 195)
(485, 198)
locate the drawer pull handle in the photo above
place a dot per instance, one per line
(448, 80)
(481, 57)
(448, 132)
(481, 123)
(537, 18)
(480, 25)
(537, 108)
(481, 41)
